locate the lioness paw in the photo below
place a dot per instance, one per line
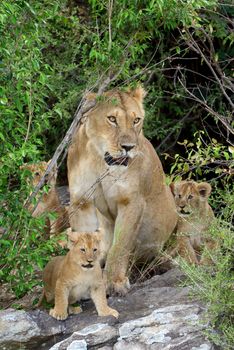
(119, 287)
(113, 312)
(58, 315)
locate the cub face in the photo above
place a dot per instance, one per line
(37, 170)
(85, 248)
(190, 196)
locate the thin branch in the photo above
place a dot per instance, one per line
(83, 107)
(208, 108)
(193, 45)
(110, 8)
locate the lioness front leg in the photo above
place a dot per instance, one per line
(126, 230)
(98, 295)
(61, 302)
(82, 215)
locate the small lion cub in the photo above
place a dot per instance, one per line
(77, 275)
(195, 217)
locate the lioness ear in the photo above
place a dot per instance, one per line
(139, 93)
(204, 189)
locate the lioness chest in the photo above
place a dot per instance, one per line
(118, 187)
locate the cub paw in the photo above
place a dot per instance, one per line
(109, 312)
(58, 315)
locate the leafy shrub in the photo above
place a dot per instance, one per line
(207, 159)
(51, 51)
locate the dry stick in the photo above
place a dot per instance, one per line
(83, 107)
(196, 48)
(209, 109)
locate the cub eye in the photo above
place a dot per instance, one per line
(37, 173)
(73, 242)
(136, 121)
(95, 249)
(190, 196)
(112, 119)
(82, 250)
(179, 196)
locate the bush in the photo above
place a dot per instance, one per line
(51, 51)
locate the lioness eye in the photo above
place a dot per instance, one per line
(82, 250)
(37, 174)
(179, 195)
(112, 119)
(95, 249)
(137, 120)
(190, 196)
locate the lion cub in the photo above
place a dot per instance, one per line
(49, 202)
(77, 275)
(195, 217)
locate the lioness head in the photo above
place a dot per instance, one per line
(189, 196)
(85, 247)
(115, 124)
(37, 170)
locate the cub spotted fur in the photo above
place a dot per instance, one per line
(77, 275)
(195, 217)
(49, 202)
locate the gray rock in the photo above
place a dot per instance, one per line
(17, 326)
(157, 314)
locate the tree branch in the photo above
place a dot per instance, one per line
(83, 107)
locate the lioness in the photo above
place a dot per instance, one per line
(195, 217)
(49, 202)
(77, 275)
(112, 166)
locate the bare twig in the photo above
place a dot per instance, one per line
(195, 47)
(208, 108)
(110, 8)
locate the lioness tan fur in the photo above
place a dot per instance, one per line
(113, 167)
(49, 202)
(77, 275)
(195, 217)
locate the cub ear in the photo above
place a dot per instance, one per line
(90, 96)
(204, 189)
(172, 187)
(72, 238)
(99, 233)
(139, 93)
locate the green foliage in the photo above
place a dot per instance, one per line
(207, 159)
(202, 158)
(52, 51)
(214, 284)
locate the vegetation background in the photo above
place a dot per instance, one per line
(181, 51)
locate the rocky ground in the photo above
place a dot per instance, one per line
(157, 314)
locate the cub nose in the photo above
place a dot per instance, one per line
(90, 260)
(182, 206)
(128, 146)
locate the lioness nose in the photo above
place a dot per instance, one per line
(182, 206)
(128, 146)
(90, 260)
